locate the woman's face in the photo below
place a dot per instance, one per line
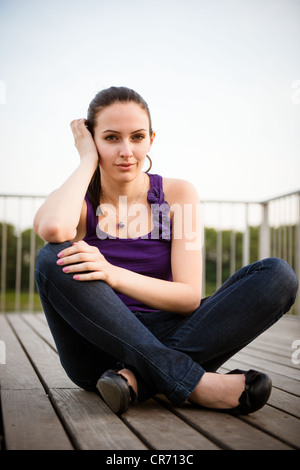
(123, 139)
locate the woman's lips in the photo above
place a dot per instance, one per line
(125, 166)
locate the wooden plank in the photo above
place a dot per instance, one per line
(162, 429)
(41, 317)
(282, 425)
(261, 363)
(27, 413)
(91, 423)
(30, 422)
(17, 372)
(40, 327)
(44, 359)
(281, 335)
(271, 356)
(266, 344)
(285, 401)
(227, 431)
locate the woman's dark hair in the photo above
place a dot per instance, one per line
(103, 99)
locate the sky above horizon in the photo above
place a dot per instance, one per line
(221, 78)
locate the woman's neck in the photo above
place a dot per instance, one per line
(133, 190)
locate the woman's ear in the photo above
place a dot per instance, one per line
(152, 137)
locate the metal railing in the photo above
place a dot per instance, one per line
(235, 233)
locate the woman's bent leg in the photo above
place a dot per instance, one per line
(95, 312)
(83, 361)
(247, 304)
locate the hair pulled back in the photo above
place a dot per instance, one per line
(103, 99)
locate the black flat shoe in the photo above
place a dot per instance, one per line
(116, 391)
(256, 394)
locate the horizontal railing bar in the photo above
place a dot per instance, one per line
(210, 201)
(294, 193)
(24, 195)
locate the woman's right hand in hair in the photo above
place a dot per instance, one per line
(84, 141)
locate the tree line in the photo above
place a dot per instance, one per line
(210, 253)
(11, 255)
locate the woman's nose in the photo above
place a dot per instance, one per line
(126, 150)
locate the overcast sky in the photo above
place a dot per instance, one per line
(221, 77)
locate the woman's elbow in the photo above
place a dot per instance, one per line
(53, 231)
(191, 304)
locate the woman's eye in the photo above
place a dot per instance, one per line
(138, 137)
(114, 138)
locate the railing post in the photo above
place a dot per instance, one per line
(3, 265)
(246, 238)
(297, 257)
(18, 271)
(219, 250)
(232, 244)
(203, 255)
(31, 271)
(264, 242)
(18, 261)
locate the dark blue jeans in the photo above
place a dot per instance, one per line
(169, 353)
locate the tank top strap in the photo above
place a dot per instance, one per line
(160, 209)
(156, 181)
(156, 193)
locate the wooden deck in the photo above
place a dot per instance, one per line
(42, 409)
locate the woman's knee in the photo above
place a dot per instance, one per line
(45, 266)
(285, 272)
(49, 253)
(283, 279)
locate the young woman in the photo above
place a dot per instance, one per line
(120, 279)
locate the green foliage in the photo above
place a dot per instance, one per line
(25, 239)
(229, 242)
(11, 255)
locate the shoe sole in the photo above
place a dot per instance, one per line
(115, 395)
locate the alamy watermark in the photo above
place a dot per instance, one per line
(186, 223)
(2, 92)
(2, 352)
(296, 92)
(296, 353)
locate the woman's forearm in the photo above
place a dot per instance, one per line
(177, 297)
(87, 263)
(57, 219)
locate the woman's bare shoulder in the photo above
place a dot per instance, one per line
(177, 190)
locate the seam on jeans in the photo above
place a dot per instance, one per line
(162, 373)
(174, 392)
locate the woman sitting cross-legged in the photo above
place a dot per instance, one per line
(120, 277)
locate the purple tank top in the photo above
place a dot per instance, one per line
(149, 255)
